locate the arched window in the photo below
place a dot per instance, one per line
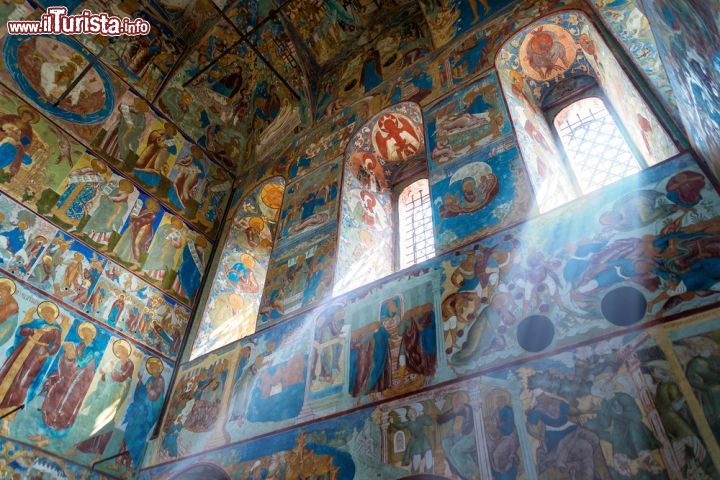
(234, 298)
(597, 151)
(386, 219)
(416, 241)
(581, 123)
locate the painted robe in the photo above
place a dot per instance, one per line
(26, 362)
(108, 217)
(111, 392)
(67, 386)
(141, 415)
(136, 239)
(191, 268)
(83, 185)
(161, 257)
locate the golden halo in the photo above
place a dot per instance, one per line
(87, 326)
(247, 260)
(10, 283)
(154, 363)
(118, 344)
(34, 117)
(272, 195)
(51, 306)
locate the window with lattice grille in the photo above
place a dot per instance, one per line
(596, 149)
(416, 240)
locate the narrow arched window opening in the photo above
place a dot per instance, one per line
(416, 241)
(597, 151)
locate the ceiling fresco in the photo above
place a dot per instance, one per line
(239, 77)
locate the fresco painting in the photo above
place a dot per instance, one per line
(485, 191)
(386, 144)
(23, 238)
(234, 299)
(56, 365)
(382, 59)
(555, 348)
(143, 60)
(687, 45)
(35, 154)
(19, 459)
(310, 203)
(630, 26)
(190, 184)
(620, 407)
(463, 124)
(27, 65)
(43, 256)
(299, 275)
(393, 347)
(195, 405)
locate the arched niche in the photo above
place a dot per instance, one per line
(537, 66)
(234, 298)
(386, 146)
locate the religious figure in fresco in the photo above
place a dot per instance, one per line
(141, 414)
(36, 341)
(677, 421)
(161, 145)
(478, 187)
(459, 446)
(418, 452)
(564, 445)
(368, 171)
(16, 145)
(8, 310)
(211, 200)
(124, 136)
(66, 387)
(547, 50)
(326, 358)
(116, 310)
(371, 75)
(82, 185)
(108, 398)
(244, 380)
(703, 374)
(135, 240)
(396, 138)
(192, 267)
(162, 256)
(110, 212)
(398, 344)
(187, 174)
(312, 210)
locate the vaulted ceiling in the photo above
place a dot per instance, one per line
(238, 76)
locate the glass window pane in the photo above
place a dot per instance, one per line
(596, 150)
(416, 230)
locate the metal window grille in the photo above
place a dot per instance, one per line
(417, 242)
(596, 149)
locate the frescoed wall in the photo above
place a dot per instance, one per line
(389, 142)
(529, 71)
(108, 215)
(201, 222)
(687, 34)
(234, 300)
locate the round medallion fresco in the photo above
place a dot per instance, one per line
(546, 52)
(45, 66)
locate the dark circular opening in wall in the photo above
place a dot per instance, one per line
(624, 306)
(535, 333)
